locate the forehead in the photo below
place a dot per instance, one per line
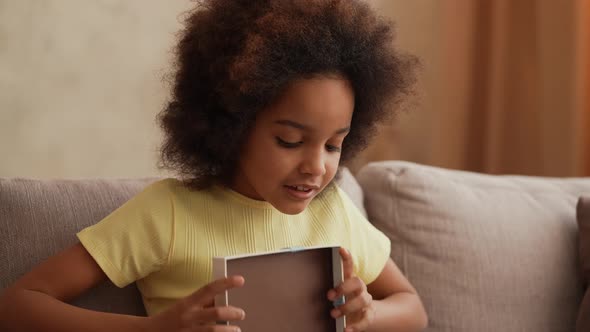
(328, 101)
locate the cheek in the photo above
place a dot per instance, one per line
(274, 160)
(332, 163)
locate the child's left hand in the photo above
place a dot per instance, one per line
(358, 309)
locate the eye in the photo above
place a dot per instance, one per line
(332, 148)
(288, 145)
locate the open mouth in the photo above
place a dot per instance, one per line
(300, 188)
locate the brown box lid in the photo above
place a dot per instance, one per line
(285, 290)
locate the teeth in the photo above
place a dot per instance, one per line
(301, 188)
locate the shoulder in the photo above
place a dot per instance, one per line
(163, 186)
(178, 196)
(170, 188)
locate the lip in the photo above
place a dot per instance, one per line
(301, 195)
(308, 186)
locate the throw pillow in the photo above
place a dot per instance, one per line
(485, 253)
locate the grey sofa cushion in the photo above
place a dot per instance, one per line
(39, 218)
(351, 187)
(486, 253)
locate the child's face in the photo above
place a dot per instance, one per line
(293, 150)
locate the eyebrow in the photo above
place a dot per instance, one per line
(306, 128)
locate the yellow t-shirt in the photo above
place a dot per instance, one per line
(165, 237)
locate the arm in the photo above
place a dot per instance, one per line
(389, 303)
(35, 302)
(397, 306)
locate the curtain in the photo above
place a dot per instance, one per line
(503, 87)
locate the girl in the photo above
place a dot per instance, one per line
(269, 97)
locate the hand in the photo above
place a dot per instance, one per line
(358, 309)
(196, 313)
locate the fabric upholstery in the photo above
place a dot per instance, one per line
(486, 253)
(348, 183)
(39, 218)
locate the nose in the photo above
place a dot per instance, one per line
(313, 162)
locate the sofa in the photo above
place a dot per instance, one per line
(485, 252)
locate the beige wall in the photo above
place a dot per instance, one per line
(80, 83)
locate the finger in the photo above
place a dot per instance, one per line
(207, 293)
(200, 316)
(362, 323)
(214, 328)
(209, 304)
(347, 269)
(352, 287)
(353, 306)
(347, 263)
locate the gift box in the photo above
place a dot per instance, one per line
(284, 290)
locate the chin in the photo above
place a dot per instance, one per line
(291, 209)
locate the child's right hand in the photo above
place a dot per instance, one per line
(197, 313)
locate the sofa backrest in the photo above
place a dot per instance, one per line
(39, 218)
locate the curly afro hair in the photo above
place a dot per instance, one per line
(235, 56)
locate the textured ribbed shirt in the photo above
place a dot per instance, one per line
(164, 238)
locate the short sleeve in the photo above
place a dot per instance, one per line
(369, 247)
(134, 240)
